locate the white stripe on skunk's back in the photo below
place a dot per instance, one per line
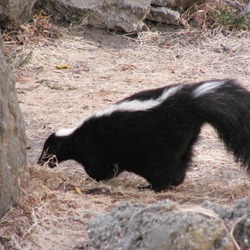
(207, 88)
(134, 105)
(126, 106)
(137, 105)
(169, 92)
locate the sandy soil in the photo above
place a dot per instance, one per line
(103, 68)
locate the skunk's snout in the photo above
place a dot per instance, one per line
(52, 164)
(49, 160)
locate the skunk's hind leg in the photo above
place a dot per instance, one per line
(166, 175)
(164, 182)
(159, 185)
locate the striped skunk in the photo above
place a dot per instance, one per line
(152, 133)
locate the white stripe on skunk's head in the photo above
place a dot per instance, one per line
(207, 88)
(64, 132)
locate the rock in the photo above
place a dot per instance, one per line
(248, 8)
(180, 5)
(164, 15)
(15, 12)
(164, 3)
(164, 225)
(125, 15)
(224, 213)
(241, 232)
(13, 175)
(198, 19)
(240, 216)
(241, 209)
(72, 11)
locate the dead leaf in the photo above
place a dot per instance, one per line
(62, 66)
(78, 190)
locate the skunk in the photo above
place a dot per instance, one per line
(152, 133)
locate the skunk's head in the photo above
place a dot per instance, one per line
(52, 151)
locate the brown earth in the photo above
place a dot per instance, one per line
(101, 68)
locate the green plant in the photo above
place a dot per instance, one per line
(228, 18)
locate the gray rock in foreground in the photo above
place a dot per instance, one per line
(15, 12)
(13, 176)
(238, 215)
(164, 225)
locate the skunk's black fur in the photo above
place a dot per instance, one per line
(152, 133)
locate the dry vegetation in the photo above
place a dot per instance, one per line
(100, 68)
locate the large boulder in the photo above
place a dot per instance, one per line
(164, 225)
(13, 175)
(125, 15)
(15, 12)
(167, 225)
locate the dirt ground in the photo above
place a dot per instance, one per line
(103, 68)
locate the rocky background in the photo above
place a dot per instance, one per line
(130, 16)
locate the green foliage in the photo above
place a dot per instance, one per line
(228, 18)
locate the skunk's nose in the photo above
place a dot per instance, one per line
(52, 164)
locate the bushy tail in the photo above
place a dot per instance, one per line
(226, 106)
